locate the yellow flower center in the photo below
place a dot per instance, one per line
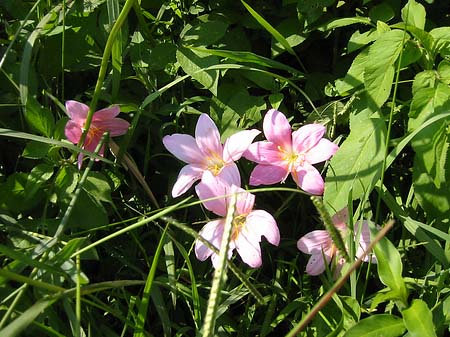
(214, 164)
(238, 225)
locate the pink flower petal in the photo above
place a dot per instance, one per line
(188, 175)
(207, 136)
(267, 175)
(244, 201)
(309, 179)
(316, 264)
(115, 127)
(248, 249)
(322, 151)
(314, 242)
(261, 223)
(307, 136)
(341, 217)
(107, 113)
(266, 153)
(277, 129)
(211, 232)
(364, 241)
(77, 111)
(184, 147)
(73, 131)
(212, 187)
(230, 174)
(237, 144)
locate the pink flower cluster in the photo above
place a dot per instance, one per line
(213, 163)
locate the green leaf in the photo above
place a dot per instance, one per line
(37, 177)
(95, 217)
(414, 14)
(441, 41)
(267, 26)
(355, 75)
(419, 320)
(35, 150)
(27, 317)
(357, 164)
(97, 186)
(343, 22)
(234, 109)
(203, 34)
(381, 12)
(378, 325)
(359, 40)
(379, 69)
(389, 265)
(290, 28)
(194, 62)
(65, 183)
(38, 118)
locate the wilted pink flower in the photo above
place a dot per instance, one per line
(248, 224)
(320, 245)
(287, 152)
(102, 121)
(205, 152)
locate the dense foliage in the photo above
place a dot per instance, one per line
(96, 244)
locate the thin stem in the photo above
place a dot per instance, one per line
(103, 67)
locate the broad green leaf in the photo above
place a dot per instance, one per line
(377, 325)
(13, 194)
(37, 177)
(419, 320)
(441, 41)
(381, 12)
(414, 14)
(38, 118)
(389, 265)
(355, 75)
(97, 186)
(65, 183)
(444, 71)
(95, 217)
(359, 40)
(379, 69)
(356, 165)
(35, 150)
(194, 62)
(203, 34)
(425, 80)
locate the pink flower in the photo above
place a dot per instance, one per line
(103, 121)
(248, 224)
(320, 245)
(287, 152)
(205, 152)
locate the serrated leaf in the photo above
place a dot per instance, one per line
(418, 320)
(35, 150)
(378, 325)
(441, 41)
(414, 14)
(194, 62)
(379, 69)
(357, 164)
(390, 267)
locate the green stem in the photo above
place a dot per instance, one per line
(104, 65)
